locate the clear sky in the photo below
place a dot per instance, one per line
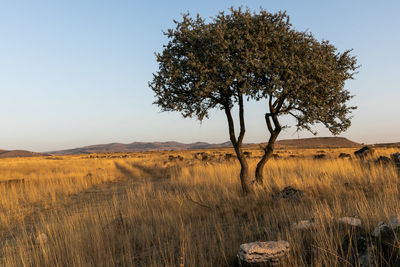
(75, 73)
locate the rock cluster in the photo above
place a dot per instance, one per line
(357, 247)
(270, 253)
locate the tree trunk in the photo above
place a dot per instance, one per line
(244, 171)
(269, 149)
(237, 144)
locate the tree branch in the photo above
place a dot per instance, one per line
(267, 120)
(241, 118)
(231, 125)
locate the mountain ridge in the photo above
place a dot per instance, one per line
(302, 143)
(314, 142)
(20, 153)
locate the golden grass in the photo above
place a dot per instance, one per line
(147, 211)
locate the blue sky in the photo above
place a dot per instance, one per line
(75, 73)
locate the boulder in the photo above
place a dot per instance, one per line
(270, 253)
(228, 156)
(351, 221)
(386, 241)
(394, 222)
(344, 156)
(289, 193)
(42, 238)
(247, 154)
(357, 250)
(386, 230)
(396, 158)
(205, 156)
(367, 258)
(304, 224)
(383, 160)
(320, 156)
(364, 152)
(382, 229)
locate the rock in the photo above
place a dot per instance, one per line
(228, 156)
(364, 152)
(304, 224)
(394, 222)
(42, 238)
(344, 156)
(386, 241)
(247, 154)
(383, 160)
(357, 250)
(205, 156)
(387, 229)
(396, 158)
(270, 253)
(367, 258)
(352, 221)
(382, 229)
(320, 156)
(289, 193)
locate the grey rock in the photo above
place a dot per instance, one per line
(263, 253)
(367, 258)
(394, 222)
(352, 221)
(381, 229)
(305, 224)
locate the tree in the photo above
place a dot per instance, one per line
(243, 55)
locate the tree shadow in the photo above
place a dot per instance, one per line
(155, 172)
(137, 171)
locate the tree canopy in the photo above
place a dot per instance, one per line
(244, 55)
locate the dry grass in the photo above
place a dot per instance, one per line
(147, 211)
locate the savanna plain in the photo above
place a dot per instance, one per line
(180, 208)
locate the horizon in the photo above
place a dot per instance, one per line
(75, 74)
(190, 143)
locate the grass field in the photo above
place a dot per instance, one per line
(147, 210)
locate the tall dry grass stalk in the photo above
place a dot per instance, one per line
(145, 211)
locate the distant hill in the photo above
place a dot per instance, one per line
(20, 153)
(138, 146)
(316, 142)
